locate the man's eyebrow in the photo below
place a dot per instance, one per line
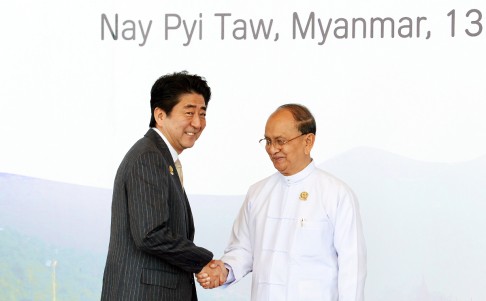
(191, 106)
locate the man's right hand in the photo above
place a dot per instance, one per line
(212, 275)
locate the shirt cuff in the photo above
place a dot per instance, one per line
(231, 276)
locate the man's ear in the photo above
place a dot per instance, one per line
(309, 143)
(159, 115)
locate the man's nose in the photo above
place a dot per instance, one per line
(196, 121)
(272, 149)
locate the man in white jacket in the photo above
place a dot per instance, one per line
(299, 231)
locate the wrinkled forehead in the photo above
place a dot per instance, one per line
(191, 101)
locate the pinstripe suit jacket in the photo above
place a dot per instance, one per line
(151, 255)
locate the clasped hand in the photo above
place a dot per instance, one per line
(212, 275)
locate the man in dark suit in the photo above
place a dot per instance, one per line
(151, 255)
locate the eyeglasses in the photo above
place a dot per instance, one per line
(277, 143)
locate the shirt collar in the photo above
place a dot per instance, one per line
(173, 152)
(289, 180)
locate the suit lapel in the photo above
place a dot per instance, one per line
(162, 147)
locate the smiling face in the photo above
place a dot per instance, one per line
(293, 156)
(185, 123)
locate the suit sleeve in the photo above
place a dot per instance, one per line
(153, 228)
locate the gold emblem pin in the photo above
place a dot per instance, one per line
(303, 196)
(171, 170)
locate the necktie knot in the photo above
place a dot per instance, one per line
(178, 166)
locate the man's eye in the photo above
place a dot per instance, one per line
(280, 141)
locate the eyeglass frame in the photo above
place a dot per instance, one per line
(275, 143)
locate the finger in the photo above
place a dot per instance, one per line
(206, 284)
(202, 284)
(202, 281)
(216, 263)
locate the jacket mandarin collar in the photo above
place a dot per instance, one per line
(301, 175)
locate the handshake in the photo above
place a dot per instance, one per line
(213, 274)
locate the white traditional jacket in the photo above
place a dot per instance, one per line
(302, 238)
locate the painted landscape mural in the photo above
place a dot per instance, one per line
(423, 223)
